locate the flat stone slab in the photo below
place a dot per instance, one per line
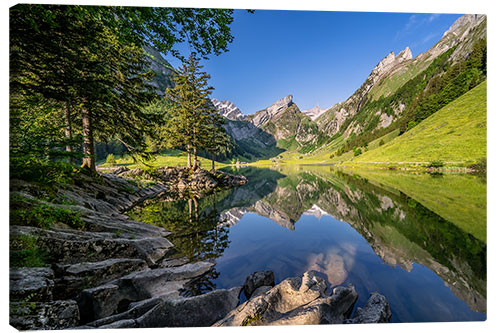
(197, 311)
(103, 301)
(31, 284)
(84, 275)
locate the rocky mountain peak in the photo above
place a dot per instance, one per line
(227, 109)
(391, 60)
(385, 63)
(280, 104)
(404, 55)
(314, 113)
(263, 116)
(468, 19)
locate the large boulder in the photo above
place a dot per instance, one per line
(256, 280)
(294, 301)
(197, 311)
(325, 310)
(376, 310)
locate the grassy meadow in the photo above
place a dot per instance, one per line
(456, 135)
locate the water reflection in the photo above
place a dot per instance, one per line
(309, 208)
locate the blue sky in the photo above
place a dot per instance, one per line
(320, 58)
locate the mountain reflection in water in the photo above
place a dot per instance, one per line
(373, 231)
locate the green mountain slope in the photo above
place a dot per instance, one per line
(401, 91)
(456, 133)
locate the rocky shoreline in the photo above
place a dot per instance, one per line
(118, 273)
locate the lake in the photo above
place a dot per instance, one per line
(418, 239)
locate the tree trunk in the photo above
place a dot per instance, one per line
(195, 157)
(88, 140)
(67, 131)
(188, 150)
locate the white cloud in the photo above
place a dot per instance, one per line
(432, 17)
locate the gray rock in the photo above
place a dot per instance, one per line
(279, 302)
(125, 323)
(115, 297)
(135, 310)
(170, 262)
(119, 170)
(376, 310)
(264, 116)
(197, 311)
(50, 315)
(228, 110)
(74, 246)
(90, 274)
(260, 291)
(31, 284)
(256, 280)
(326, 310)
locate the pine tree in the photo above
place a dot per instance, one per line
(216, 140)
(192, 121)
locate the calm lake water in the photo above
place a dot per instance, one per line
(420, 240)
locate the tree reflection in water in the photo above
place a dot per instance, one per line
(197, 233)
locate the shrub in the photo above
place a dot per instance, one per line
(381, 143)
(480, 165)
(110, 159)
(41, 171)
(436, 164)
(26, 212)
(357, 151)
(411, 124)
(25, 252)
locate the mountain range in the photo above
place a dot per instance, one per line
(386, 101)
(400, 92)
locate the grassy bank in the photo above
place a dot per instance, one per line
(455, 136)
(175, 158)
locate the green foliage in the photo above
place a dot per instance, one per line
(457, 80)
(381, 143)
(480, 165)
(248, 321)
(110, 159)
(357, 151)
(436, 164)
(40, 215)
(191, 120)
(41, 171)
(79, 73)
(25, 252)
(439, 84)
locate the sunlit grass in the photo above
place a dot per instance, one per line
(455, 134)
(175, 158)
